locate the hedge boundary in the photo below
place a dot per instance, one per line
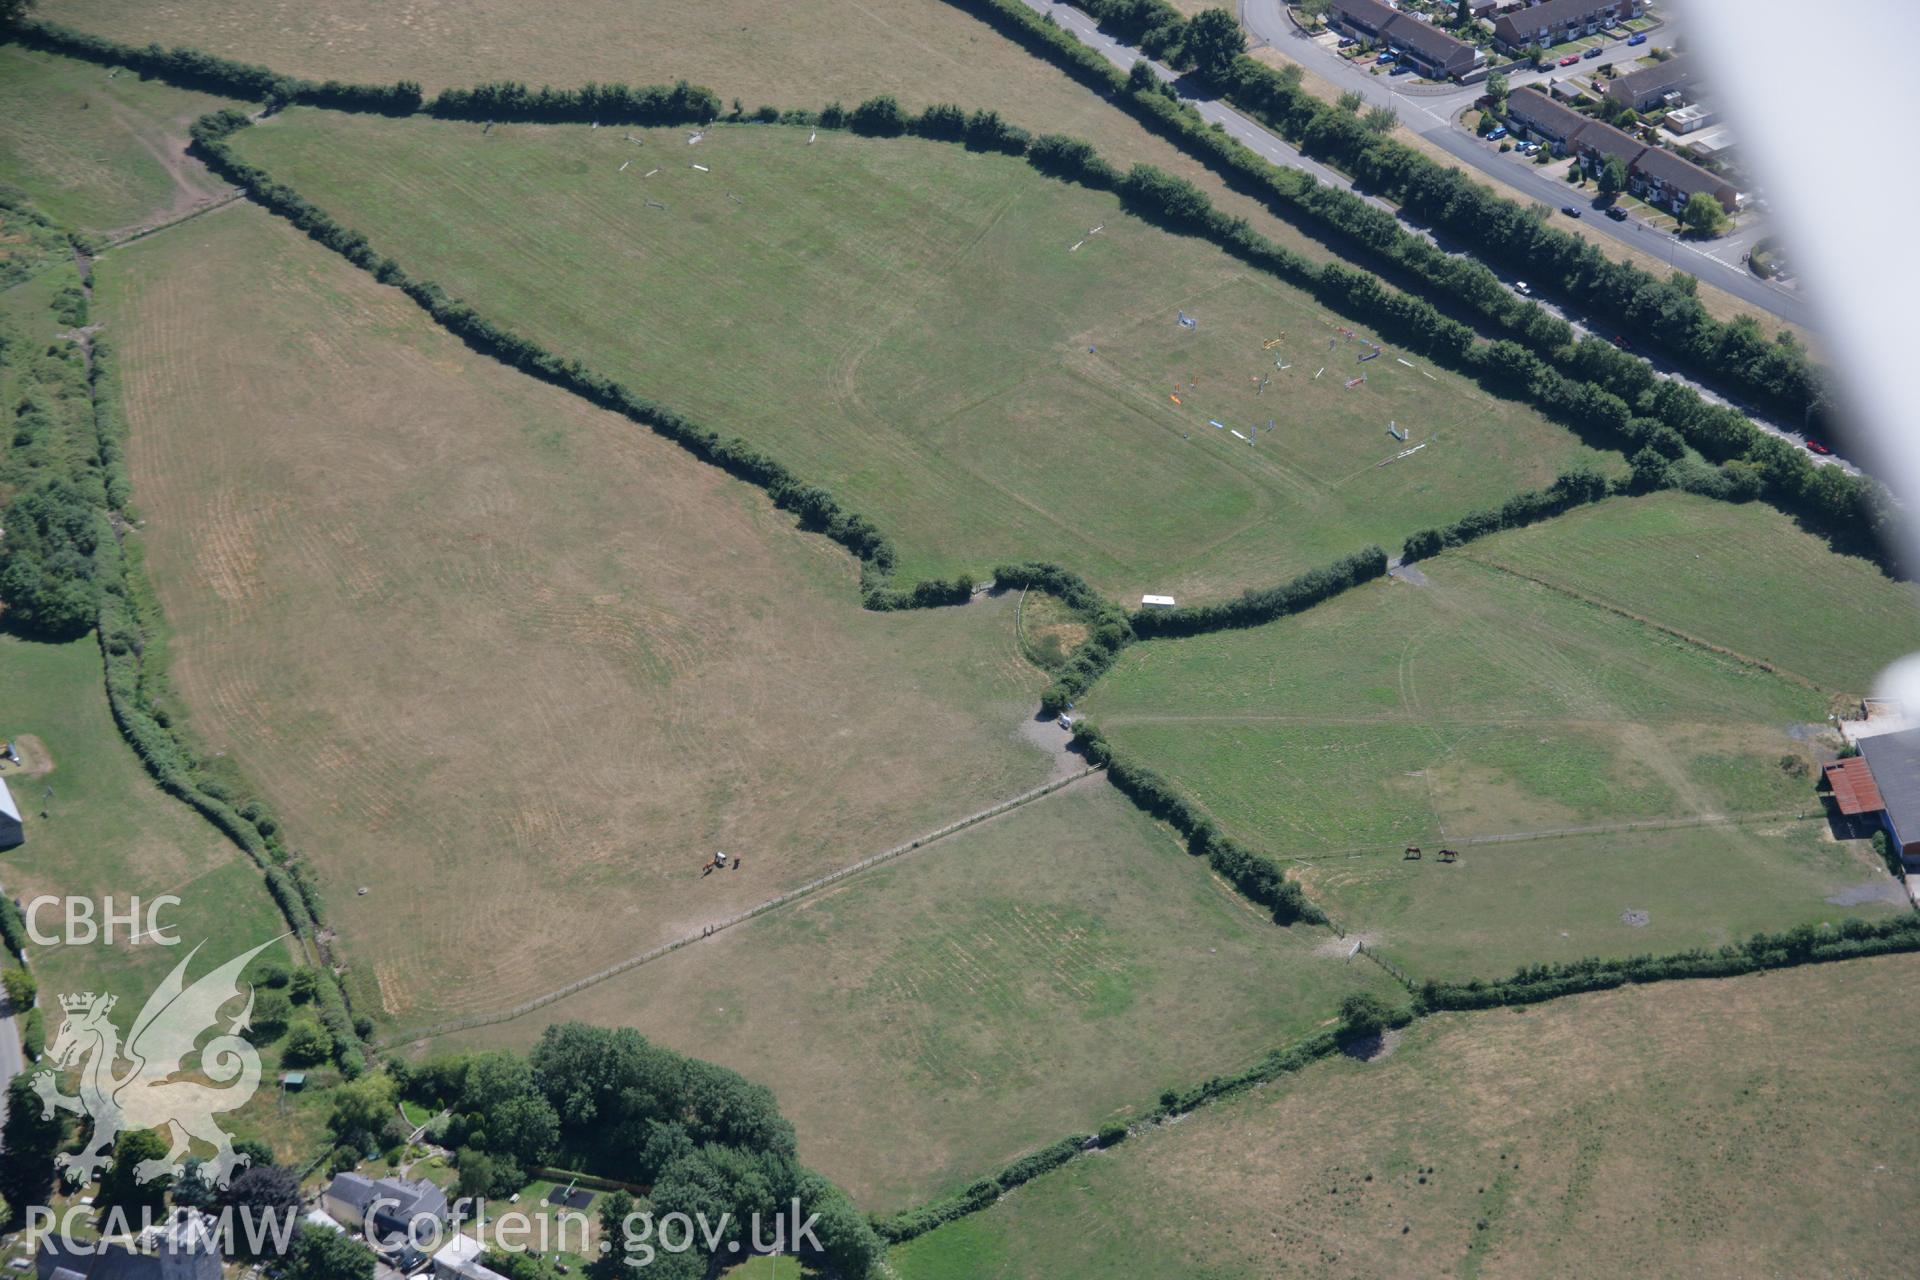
(1497, 226)
(1587, 385)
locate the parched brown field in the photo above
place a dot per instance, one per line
(512, 665)
(1041, 974)
(789, 55)
(1748, 1127)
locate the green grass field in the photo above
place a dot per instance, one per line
(98, 150)
(1486, 704)
(106, 830)
(909, 324)
(1741, 577)
(1482, 704)
(1038, 975)
(1627, 893)
(480, 644)
(1712, 1129)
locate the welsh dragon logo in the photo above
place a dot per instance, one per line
(148, 1096)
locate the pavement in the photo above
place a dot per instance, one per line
(1429, 111)
(11, 1062)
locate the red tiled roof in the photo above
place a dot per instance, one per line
(1854, 789)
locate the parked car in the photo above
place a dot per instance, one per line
(1594, 52)
(1814, 446)
(1570, 59)
(1569, 210)
(1615, 212)
(1640, 38)
(1388, 56)
(1622, 343)
(1399, 69)
(1522, 288)
(1496, 133)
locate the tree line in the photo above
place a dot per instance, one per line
(1852, 511)
(1779, 375)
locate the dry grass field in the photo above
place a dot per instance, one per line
(1041, 974)
(789, 55)
(1705, 1129)
(98, 151)
(909, 324)
(512, 665)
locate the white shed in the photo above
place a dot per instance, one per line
(1156, 602)
(12, 831)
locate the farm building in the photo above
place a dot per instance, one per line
(12, 830)
(1882, 781)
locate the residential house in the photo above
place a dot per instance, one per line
(1554, 22)
(387, 1211)
(1649, 86)
(1663, 178)
(460, 1260)
(1426, 48)
(186, 1248)
(1535, 115)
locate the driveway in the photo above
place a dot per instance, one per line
(1431, 112)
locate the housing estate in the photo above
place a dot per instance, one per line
(1554, 22)
(1426, 48)
(1649, 86)
(1655, 175)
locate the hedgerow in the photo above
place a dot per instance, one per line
(1573, 488)
(1852, 511)
(1806, 944)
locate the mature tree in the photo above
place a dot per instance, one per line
(11, 11)
(307, 1043)
(1363, 1014)
(1463, 12)
(265, 1201)
(271, 1013)
(1214, 40)
(1351, 101)
(31, 1140)
(1380, 120)
(487, 1175)
(1140, 77)
(612, 1262)
(1497, 90)
(120, 1185)
(1613, 176)
(21, 989)
(194, 1188)
(1703, 215)
(361, 1109)
(1535, 55)
(320, 1254)
(526, 1128)
(305, 985)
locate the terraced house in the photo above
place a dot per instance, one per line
(1554, 22)
(1430, 51)
(1654, 174)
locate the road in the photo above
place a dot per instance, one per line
(1430, 112)
(1274, 148)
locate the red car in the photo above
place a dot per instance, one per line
(1814, 446)
(1570, 59)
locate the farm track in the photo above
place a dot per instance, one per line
(771, 904)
